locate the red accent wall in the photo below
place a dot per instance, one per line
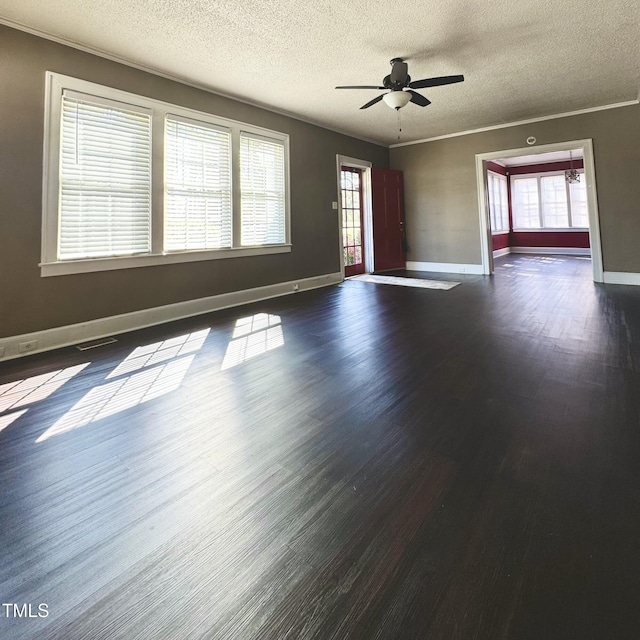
(563, 239)
(496, 168)
(500, 241)
(559, 239)
(547, 166)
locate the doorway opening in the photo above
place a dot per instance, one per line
(352, 220)
(539, 200)
(355, 215)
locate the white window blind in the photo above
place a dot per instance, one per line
(498, 202)
(262, 186)
(198, 211)
(555, 211)
(526, 212)
(105, 180)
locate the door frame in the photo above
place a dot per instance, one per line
(586, 146)
(367, 209)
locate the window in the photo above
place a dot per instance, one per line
(105, 180)
(555, 209)
(262, 190)
(130, 181)
(498, 202)
(548, 201)
(525, 203)
(198, 187)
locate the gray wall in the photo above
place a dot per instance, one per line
(441, 201)
(29, 302)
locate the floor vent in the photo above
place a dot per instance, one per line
(95, 343)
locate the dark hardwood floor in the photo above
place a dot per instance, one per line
(364, 461)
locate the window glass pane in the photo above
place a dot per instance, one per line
(105, 181)
(262, 186)
(525, 203)
(579, 210)
(498, 203)
(503, 204)
(197, 187)
(555, 211)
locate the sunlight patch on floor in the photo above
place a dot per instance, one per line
(8, 418)
(148, 372)
(28, 390)
(152, 354)
(118, 395)
(253, 336)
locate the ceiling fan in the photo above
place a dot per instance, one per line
(401, 87)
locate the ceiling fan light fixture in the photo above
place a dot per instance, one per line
(572, 176)
(396, 99)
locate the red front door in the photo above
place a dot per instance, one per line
(388, 219)
(352, 220)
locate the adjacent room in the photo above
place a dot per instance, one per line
(319, 321)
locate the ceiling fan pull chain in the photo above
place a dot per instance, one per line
(399, 123)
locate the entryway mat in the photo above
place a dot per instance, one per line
(407, 282)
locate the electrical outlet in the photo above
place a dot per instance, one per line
(295, 287)
(26, 347)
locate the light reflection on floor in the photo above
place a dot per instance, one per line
(253, 336)
(159, 369)
(151, 354)
(29, 390)
(8, 418)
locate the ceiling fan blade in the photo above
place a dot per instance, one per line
(372, 102)
(399, 70)
(360, 87)
(435, 82)
(418, 99)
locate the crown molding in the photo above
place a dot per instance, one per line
(177, 78)
(506, 125)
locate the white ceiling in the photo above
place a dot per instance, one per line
(521, 60)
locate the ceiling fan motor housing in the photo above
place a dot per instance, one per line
(395, 86)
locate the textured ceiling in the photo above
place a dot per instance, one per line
(521, 60)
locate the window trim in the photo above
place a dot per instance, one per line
(501, 232)
(50, 265)
(538, 177)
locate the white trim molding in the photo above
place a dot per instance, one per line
(57, 86)
(501, 252)
(445, 267)
(552, 251)
(367, 208)
(586, 146)
(73, 334)
(568, 114)
(620, 277)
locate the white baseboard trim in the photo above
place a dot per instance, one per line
(445, 267)
(93, 329)
(502, 252)
(620, 277)
(553, 251)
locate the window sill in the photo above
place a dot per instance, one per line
(67, 267)
(499, 233)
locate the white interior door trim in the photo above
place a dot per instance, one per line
(367, 210)
(590, 175)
